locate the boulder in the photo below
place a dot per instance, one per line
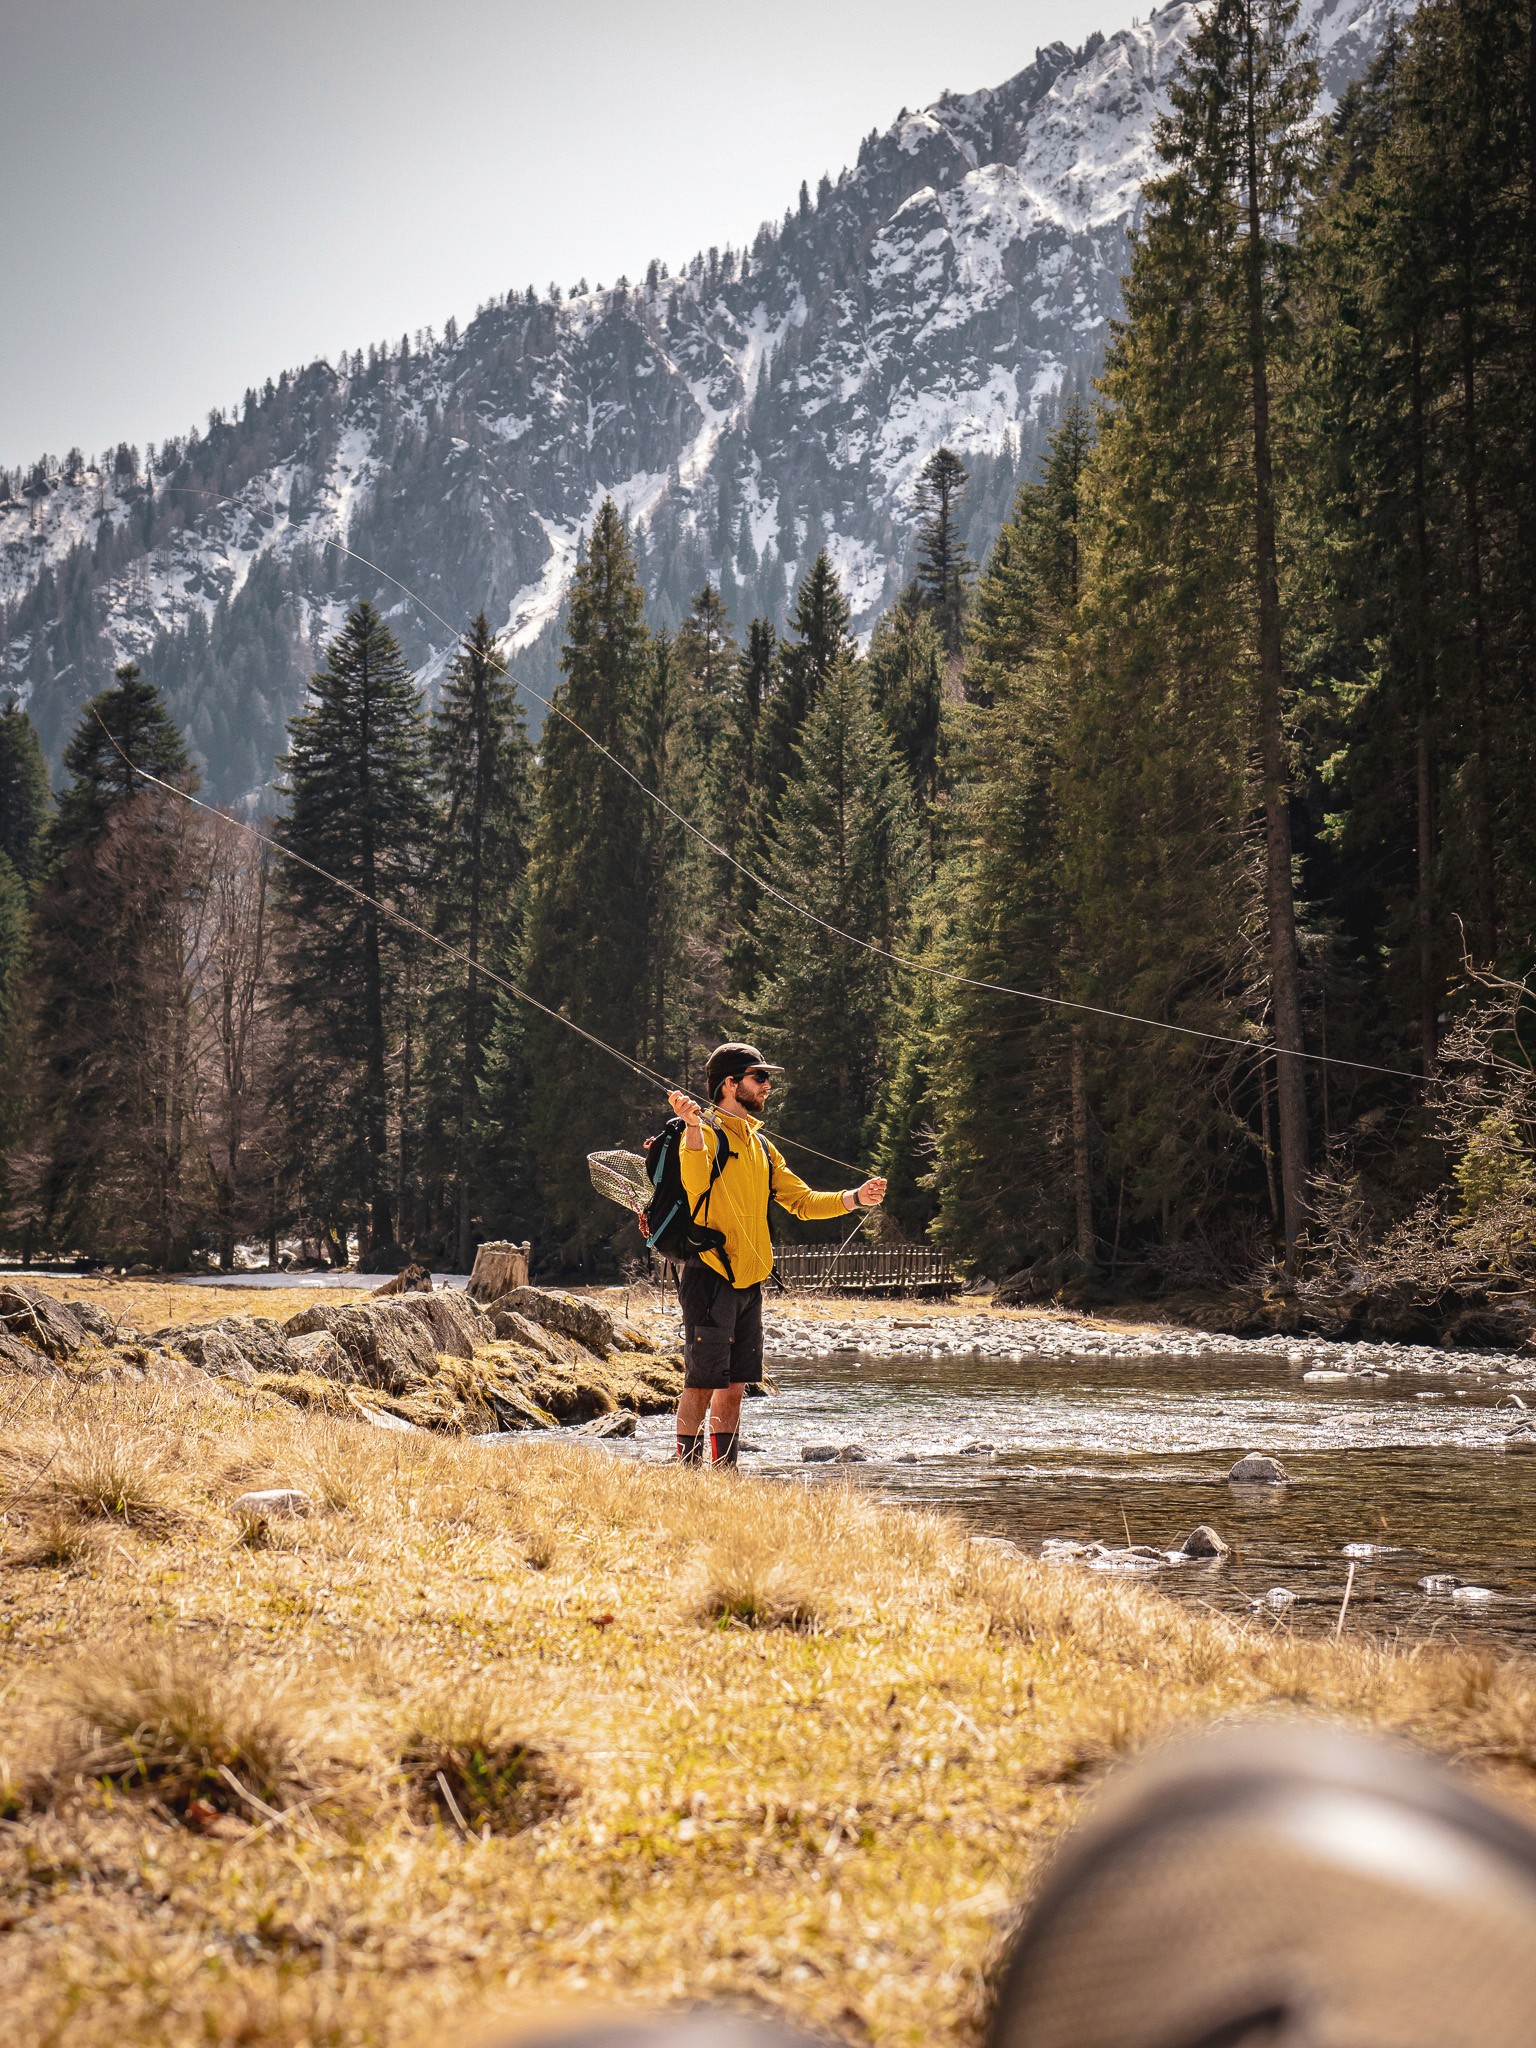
(834, 1454)
(978, 1450)
(93, 1320)
(18, 1357)
(588, 1323)
(388, 1345)
(382, 1419)
(37, 1319)
(1257, 1468)
(606, 1425)
(1204, 1542)
(458, 1326)
(506, 1323)
(317, 1351)
(230, 1348)
(269, 1501)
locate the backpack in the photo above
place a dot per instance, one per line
(668, 1224)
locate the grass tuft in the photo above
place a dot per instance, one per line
(466, 1763)
(107, 1475)
(741, 1580)
(58, 1543)
(199, 1737)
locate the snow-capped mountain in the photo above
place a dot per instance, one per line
(952, 286)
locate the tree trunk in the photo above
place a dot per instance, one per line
(1082, 1182)
(470, 1067)
(1429, 986)
(1483, 910)
(1280, 902)
(381, 1229)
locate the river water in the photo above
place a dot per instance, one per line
(1137, 1451)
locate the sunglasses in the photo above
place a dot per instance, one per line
(757, 1074)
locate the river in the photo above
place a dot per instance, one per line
(1127, 1450)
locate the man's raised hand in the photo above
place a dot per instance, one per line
(872, 1193)
(685, 1107)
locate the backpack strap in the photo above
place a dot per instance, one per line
(718, 1165)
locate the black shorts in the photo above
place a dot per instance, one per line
(722, 1329)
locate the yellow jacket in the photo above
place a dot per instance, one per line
(738, 1205)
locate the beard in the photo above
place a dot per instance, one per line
(752, 1095)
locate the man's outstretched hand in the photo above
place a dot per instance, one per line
(871, 1194)
(685, 1107)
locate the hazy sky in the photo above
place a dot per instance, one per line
(195, 194)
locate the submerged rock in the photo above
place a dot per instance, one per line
(1279, 1598)
(1471, 1595)
(621, 1424)
(1257, 1468)
(1204, 1542)
(1442, 1583)
(834, 1454)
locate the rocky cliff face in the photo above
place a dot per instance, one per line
(953, 286)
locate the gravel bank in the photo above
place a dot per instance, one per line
(808, 1329)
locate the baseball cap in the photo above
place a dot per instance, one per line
(729, 1062)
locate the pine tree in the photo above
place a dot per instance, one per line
(845, 846)
(15, 1047)
(356, 788)
(790, 686)
(1420, 298)
(942, 564)
(707, 655)
(1011, 1177)
(820, 640)
(1235, 141)
(905, 667)
(482, 783)
(586, 950)
(114, 968)
(1153, 790)
(24, 794)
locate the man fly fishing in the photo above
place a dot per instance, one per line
(722, 1290)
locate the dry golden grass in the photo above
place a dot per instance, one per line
(498, 1727)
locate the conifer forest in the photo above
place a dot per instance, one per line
(1153, 899)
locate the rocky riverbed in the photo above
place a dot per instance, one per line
(810, 1327)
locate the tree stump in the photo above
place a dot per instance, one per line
(498, 1269)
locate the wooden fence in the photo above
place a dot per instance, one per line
(865, 1269)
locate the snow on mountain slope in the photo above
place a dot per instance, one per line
(952, 286)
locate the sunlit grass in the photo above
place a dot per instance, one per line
(491, 1727)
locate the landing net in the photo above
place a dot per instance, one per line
(621, 1177)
